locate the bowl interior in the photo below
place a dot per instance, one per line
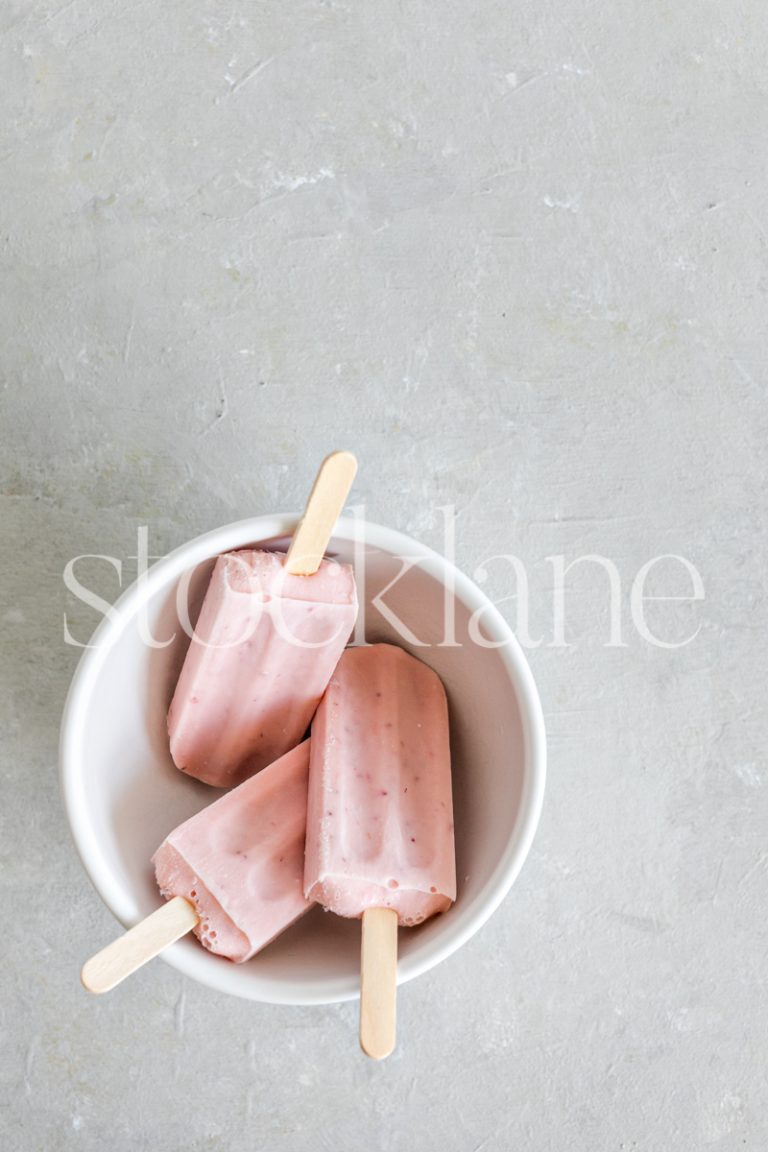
(125, 794)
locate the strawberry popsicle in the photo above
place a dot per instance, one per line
(263, 650)
(240, 862)
(379, 814)
(232, 874)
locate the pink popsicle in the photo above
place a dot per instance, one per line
(263, 650)
(240, 862)
(379, 814)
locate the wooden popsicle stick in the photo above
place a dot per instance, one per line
(326, 501)
(378, 982)
(140, 944)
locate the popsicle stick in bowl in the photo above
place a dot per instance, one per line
(324, 506)
(139, 945)
(378, 982)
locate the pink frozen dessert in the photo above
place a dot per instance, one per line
(379, 813)
(240, 861)
(262, 653)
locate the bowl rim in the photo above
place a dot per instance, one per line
(238, 534)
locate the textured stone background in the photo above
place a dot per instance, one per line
(515, 257)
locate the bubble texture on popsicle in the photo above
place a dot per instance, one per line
(380, 814)
(264, 647)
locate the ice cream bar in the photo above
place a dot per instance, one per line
(379, 812)
(263, 650)
(240, 862)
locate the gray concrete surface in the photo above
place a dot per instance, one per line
(515, 257)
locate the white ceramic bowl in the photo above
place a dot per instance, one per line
(123, 794)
